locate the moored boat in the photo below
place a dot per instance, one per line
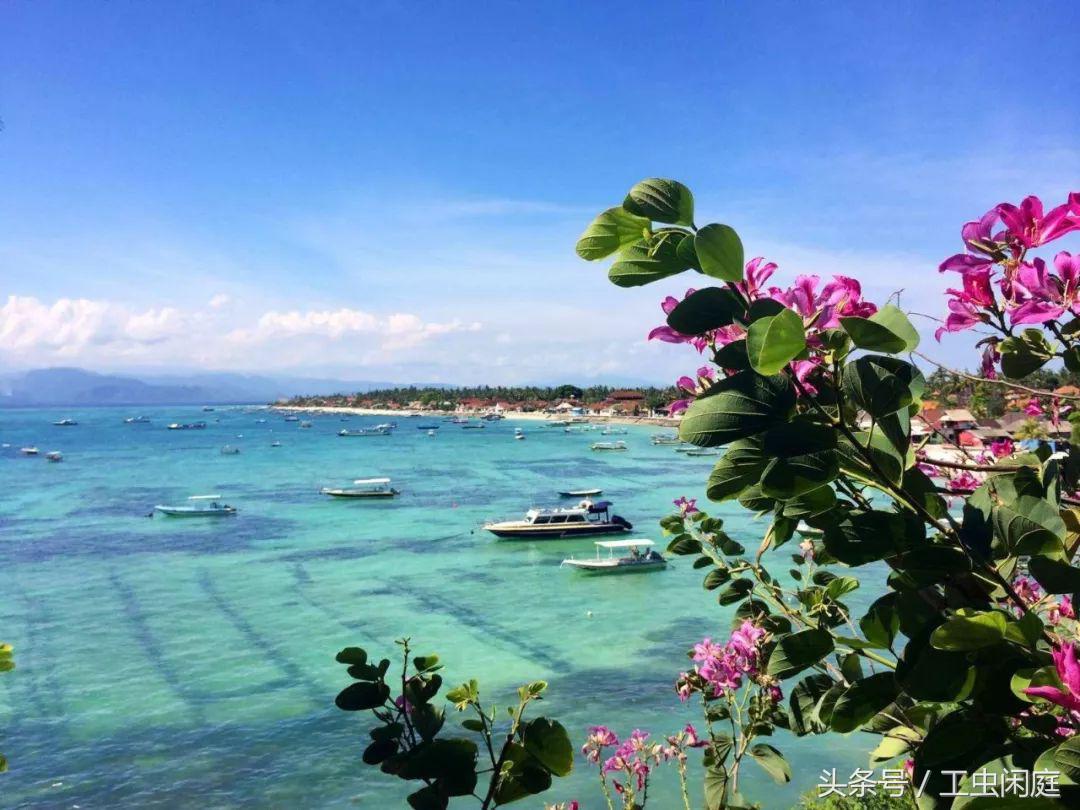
(230, 450)
(54, 456)
(28, 451)
(379, 430)
(136, 420)
(198, 506)
(363, 488)
(305, 424)
(65, 422)
(587, 518)
(665, 439)
(619, 445)
(640, 557)
(703, 451)
(187, 426)
(580, 493)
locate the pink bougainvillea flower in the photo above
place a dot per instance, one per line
(1068, 669)
(990, 358)
(979, 240)
(1027, 225)
(964, 482)
(678, 406)
(1002, 447)
(757, 273)
(967, 306)
(1027, 589)
(668, 335)
(1033, 407)
(1061, 610)
(686, 505)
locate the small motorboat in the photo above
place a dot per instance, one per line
(619, 445)
(685, 448)
(472, 426)
(136, 420)
(65, 423)
(292, 417)
(54, 456)
(207, 409)
(364, 488)
(427, 427)
(28, 451)
(613, 431)
(580, 493)
(640, 557)
(519, 433)
(305, 424)
(587, 518)
(187, 426)
(378, 430)
(198, 506)
(230, 450)
(260, 421)
(275, 444)
(662, 439)
(702, 451)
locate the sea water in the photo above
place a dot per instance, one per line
(169, 662)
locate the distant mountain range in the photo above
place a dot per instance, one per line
(74, 386)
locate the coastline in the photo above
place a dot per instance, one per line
(537, 416)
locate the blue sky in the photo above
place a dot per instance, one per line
(393, 190)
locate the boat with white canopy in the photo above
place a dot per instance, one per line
(198, 506)
(579, 493)
(620, 445)
(363, 488)
(587, 518)
(379, 430)
(640, 556)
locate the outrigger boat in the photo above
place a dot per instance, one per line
(379, 430)
(587, 518)
(188, 426)
(364, 488)
(580, 493)
(65, 422)
(641, 557)
(199, 506)
(620, 445)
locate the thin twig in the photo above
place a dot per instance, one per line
(1005, 383)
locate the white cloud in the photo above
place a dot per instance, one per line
(220, 300)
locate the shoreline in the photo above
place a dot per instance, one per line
(654, 421)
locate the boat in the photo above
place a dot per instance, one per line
(364, 488)
(28, 451)
(199, 506)
(702, 451)
(260, 421)
(387, 426)
(587, 518)
(519, 436)
(305, 424)
(580, 493)
(685, 448)
(375, 431)
(471, 426)
(427, 427)
(431, 432)
(65, 423)
(136, 420)
(492, 417)
(229, 450)
(619, 445)
(292, 417)
(665, 439)
(188, 426)
(641, 557)
(207, 409)
(54, 456)
(275, 444)
(613, 431)
(519, 433)
(558, 423)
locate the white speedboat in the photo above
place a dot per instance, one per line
(198, 506)
(640, 557)
(378, 430)
(275, 444)
(620, 445)
(587, 518)
(665, 439)
(136, 420)
(364, 488)
(28, 451)
(187, 426)
(292, 417)
(580, 493)
(65, 422)
(702, 451)
(613, 431)
(230, 450)
(54, 456)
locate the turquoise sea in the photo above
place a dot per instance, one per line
(190, 663)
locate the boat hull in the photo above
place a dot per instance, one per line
(180, 511)
(555, 532)
(595, 567)
(345, 493)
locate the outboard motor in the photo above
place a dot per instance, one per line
(621, 521)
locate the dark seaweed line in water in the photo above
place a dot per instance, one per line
(36, 616)
(153, 648)
(303, 580)
(292, 674)
(478, 625)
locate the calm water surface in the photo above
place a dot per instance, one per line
(190, 663)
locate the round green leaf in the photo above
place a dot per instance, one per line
(887, 330)
(644, 263)
(661, 200)
(705, 310)
(737, 407)
(548, 742)
(610, 232)
(773, 342)
(363, 695)
(772, 762)
(862, 700)
(970, 630)
(792, 654)
(720, 252)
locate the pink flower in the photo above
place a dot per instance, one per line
(807, 549)
(678, 406)
(966, 307)
(1027, 589)
(1033, 407)
(668, 335)
(964, 482)
(600, 737)
(979, 240)
(1028, 225)
(990, 358)
(1002, 447)
(1069, 671)
(686, 505)
(1066, 607)
(757, 273)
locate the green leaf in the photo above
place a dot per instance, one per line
(352, 655)
(705, 310)
(1030, 525)
(548, 742)
(792, 654)
(1056, 576)
(803, 458)
(1025, 353)
(772, 762)
(1067, 758)
(926, 673)
(661, 200)
(773, 342)
(887, 330)
(862, 700)
(803, 704)
(521, 776)
(735, 592)
(882, 385)
(715, 578)
(645, 263)
(864, 537)
(881, 622)
(720, 252)
(740, 467)
(610, 232)
(363, 695)
(970, 630)
(735, 408)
